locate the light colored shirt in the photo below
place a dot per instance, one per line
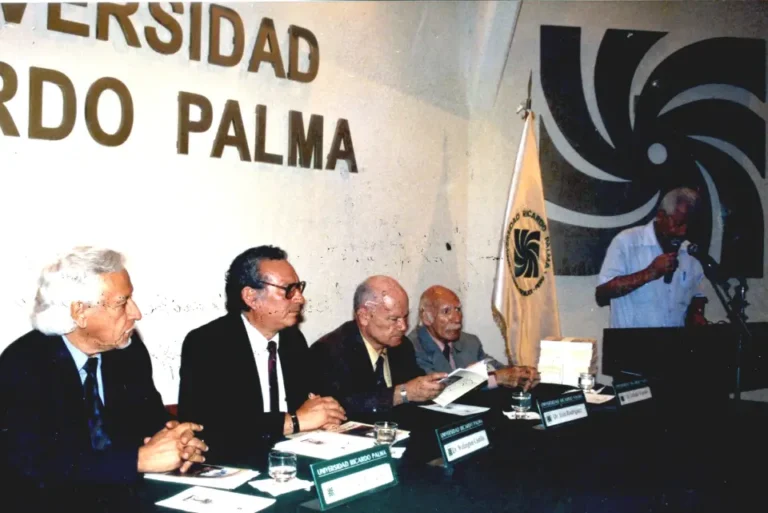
(373, 354)
(655, 304)
(81, 359)
(261, 355)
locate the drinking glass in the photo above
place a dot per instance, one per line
(282, 466)
(521, 403)
(385, 432)
(586, 382)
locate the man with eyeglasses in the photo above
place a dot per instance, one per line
(367, 363)
(246, 375)
(440, 345)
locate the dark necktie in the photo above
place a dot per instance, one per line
(94, 407)
(380, 381)
(274, 394)
(447, 353)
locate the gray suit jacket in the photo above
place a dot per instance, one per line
(466, 351)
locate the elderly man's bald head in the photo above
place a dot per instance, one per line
(381, 311)
(440, 312)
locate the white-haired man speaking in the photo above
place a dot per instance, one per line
(77, 402)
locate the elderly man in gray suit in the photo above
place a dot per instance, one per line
(441, 346)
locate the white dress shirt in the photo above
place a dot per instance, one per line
(261, 355)
(655, 304)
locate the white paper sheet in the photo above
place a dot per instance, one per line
(213, 476)
(461, 381)
(325, 444)
(274, 488)
(457, 409)
(207, 500)
(529, 415)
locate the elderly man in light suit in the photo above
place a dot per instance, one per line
(441, 346)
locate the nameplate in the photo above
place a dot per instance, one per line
(355, 475)
(459, 440)
(564, 409)
(633, 391)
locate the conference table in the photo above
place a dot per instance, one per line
(668, 454)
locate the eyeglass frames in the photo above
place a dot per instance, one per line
(290, 289)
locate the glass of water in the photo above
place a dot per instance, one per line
(521, 403)
(385, 432)
(282, 466)
(586, 382)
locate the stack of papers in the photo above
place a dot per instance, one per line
(213, 476)
(325, 445)
(274, 488)
(461, 381)
(561, 362)
(206, 500)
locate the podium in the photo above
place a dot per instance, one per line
(696, 357)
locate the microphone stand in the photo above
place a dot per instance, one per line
(734, 308)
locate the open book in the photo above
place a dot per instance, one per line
(213, 476)
(461, 381)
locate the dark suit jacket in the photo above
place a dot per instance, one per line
(343, 370)
(220, 389)
(44, 438)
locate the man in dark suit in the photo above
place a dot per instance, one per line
(77, 400)
(364, 363)
(246, 375)
(440, 345)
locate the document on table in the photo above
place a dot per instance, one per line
(207, 500)
(366, 430)
(562, 362)
(212, 476)
(461, 381)
(457, 409)
(325, 445)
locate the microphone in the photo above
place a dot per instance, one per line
(675, 244)
(711, 268)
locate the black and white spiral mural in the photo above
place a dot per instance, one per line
(609, 154)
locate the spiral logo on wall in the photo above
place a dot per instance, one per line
(687, 121)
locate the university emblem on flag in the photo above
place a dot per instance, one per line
(528, 251)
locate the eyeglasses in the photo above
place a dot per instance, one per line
(290, 289)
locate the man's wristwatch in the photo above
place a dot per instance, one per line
(295, 419)
(403, 394)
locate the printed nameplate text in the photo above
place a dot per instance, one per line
(349, 477)
(563, 409)
(461, 439)
(633, 391)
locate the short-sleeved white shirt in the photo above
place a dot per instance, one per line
(655, 304)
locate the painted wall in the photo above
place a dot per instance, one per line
(406, 76)
(429, 90)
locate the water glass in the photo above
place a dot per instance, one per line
(586, 382)
(385, 432)
(282, 466)
(521, 403)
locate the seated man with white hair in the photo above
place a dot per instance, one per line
(78, 406)
(441, 345)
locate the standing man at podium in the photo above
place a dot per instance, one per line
(648, 277)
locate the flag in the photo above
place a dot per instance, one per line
(524, 296)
